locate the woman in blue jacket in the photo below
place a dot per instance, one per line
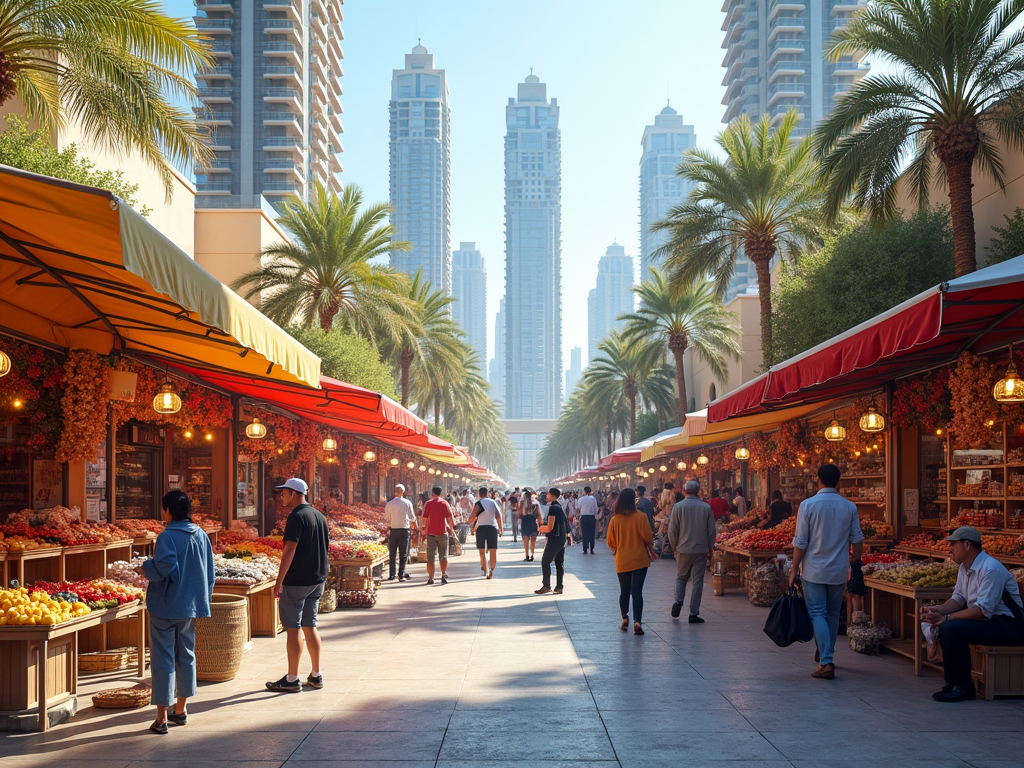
(181, 582)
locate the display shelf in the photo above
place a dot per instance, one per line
(262, 606)
(862, 477)
(890, 603)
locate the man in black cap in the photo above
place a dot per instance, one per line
(985, 609)
(556, 526)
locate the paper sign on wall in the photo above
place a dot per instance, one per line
(911, 498)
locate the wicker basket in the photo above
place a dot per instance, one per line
(356, 584)
(329, 601)
(123, 698)
(220, 639)
(109, 661)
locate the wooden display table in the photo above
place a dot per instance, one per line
(899, 606)
(873, 545)
(144, 545)
(44, 564)
(213, 532)
(264, 617)
(41, 663)
(364, 564)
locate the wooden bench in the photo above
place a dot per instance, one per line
(998, 670)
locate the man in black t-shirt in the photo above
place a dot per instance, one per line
(780, 509)
(557, 528)
(300, 583)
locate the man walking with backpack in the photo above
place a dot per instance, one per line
(557, 529)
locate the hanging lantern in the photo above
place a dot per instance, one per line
(702, 460)
(680, 465)
(5, 364)
(188, 434)
(17, 402)
(1010, 388)
(742, 453)
(693, 466)
(256, 430)
(369, 456)
(393, 462)
(423, 468)
(622, 475)
(663, 468)
(872, 421)
(330, 444)
(835, 432)
(209, 437)
(167, 400)
(410, 464)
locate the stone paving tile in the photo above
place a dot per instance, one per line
(422, 744)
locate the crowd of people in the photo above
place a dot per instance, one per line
(985, 607)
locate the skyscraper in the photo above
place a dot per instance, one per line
(496, 376)
(575, 370)
(420, 167)
(775, 61)
(533, 248)
(612, 297)
(469, 289)
(660, 189)
(775, 58)
(272, 101)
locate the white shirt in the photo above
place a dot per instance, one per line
(586, 505)
(398, 513)
(982, 585)
(826, 525)
(490, 514)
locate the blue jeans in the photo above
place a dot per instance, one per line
(824, 602)
(172, 659)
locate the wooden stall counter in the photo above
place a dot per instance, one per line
(363, 564)
(264, 617)
(899, 606)
(40, 663)
(31, 565)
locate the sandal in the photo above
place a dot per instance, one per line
(637, 629)
(625, 623)
(160, 728)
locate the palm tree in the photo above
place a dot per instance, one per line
(958, 90)
(120, 68)
(762, 200)
(433, 351)
(324, 275)
(629, 371)
(691, 318)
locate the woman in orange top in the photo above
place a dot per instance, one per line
(629, 535)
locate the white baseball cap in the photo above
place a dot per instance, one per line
(399, 487)
(294, 484)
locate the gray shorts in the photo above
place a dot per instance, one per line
(298, 605)
(438, 545)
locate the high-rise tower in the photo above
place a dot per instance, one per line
(660, 189)
(469, 289)
(496, 374)
(533, 282)
(272, 101)
(421, 169)
(775, 58)
(613, 296)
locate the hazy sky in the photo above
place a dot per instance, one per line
(611, 65)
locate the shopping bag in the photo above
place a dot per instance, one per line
(788, 621)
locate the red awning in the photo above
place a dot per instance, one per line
(618, 458)
(345, 406)
(981, 312)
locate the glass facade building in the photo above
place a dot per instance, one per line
(612, 296)
(272, 101)
(533, 282)
(660, 189)
(420, 168)
(496, 373)
(469, 289)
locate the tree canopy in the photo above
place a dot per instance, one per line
(1008, 241)
(859, 273)
(347, 358)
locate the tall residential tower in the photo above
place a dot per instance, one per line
(272, 100)
(613, 296)
(420, 144)
(533, 247)
(775, 58)
(660, 189)
(496, 371)
(469, 289)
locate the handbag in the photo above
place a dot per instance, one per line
(651, 553)
(788, 621)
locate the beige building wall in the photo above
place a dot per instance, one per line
(229, 242)
(990, 202)
(701, 385)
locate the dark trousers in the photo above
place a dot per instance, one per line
(398, 544)
(554, 552)
(631, 585)
(588, 527)
(956, 636)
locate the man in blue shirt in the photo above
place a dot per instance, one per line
(826, 525)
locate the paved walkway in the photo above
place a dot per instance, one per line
(486, 673)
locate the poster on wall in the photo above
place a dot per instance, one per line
(911, 498)
(47, 483)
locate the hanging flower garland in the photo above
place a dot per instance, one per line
(83, 405)
(923, 401)
(970, 388)
(281, 435)
(201, 408)
(30, 394)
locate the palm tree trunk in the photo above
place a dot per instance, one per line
(327, 319)
(677, 353)
(956, 148)
(405, 362)
(632, 418)
(760, 251)
(437, 409)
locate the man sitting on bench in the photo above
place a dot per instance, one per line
(985, 609)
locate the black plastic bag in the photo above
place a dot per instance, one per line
(788, 621)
